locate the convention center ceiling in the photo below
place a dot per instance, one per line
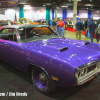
(60, 4)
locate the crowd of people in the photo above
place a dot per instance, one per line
(60, 26)
(90, 28)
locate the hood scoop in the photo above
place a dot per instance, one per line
(63, 49)
(74, 42)
(59, 48)
(86, 43)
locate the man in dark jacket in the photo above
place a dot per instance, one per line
(54, 23)
(65, 23)
(85, 25)
(91, 27)
(78, 28)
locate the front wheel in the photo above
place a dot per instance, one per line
(42, 81)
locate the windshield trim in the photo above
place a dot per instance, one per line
(25, 40)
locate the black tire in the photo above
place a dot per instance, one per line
(1, 61)
(42, 81)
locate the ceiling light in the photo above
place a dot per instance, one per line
(26, 5)
(64, 6)
(77, 0)
(89, 5)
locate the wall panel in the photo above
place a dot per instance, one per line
(70, 13)
(83, 13)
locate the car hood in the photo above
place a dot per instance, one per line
(69, 51)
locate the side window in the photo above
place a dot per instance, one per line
(8, 34)
(25, 33)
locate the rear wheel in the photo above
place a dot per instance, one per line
(42, 81)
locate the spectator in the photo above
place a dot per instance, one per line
(98, 32)
(65, 23)
(91, 28)
(61, 27)
(86, 24)
(57, 28)
(89, 21)
(78, 28)
(54, 23)
(50, 23)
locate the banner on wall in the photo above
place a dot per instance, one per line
(42, 10)
(26, 10)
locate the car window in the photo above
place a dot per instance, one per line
(8, 34)
(42, 31)
(36, 33)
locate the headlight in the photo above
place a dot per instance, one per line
(82, 72)
(79, 73)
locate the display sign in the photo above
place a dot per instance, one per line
(26, 10)
(42, 10)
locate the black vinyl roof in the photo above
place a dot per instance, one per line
(22, 26)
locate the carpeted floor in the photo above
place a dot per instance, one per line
(72, 35)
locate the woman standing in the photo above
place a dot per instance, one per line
(98, 32)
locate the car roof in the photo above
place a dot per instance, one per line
(22, 26)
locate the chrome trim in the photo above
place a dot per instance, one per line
(88, 76)
(88, 64)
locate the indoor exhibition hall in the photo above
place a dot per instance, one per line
(50, 49)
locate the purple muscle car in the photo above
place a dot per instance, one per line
(50, 60)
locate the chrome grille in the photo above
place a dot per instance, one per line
(93, 69)
(90, 68)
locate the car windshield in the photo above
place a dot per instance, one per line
(30, 34)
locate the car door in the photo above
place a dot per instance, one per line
(11, 51)
(7, 45)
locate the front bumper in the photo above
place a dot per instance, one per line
(89, 76)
